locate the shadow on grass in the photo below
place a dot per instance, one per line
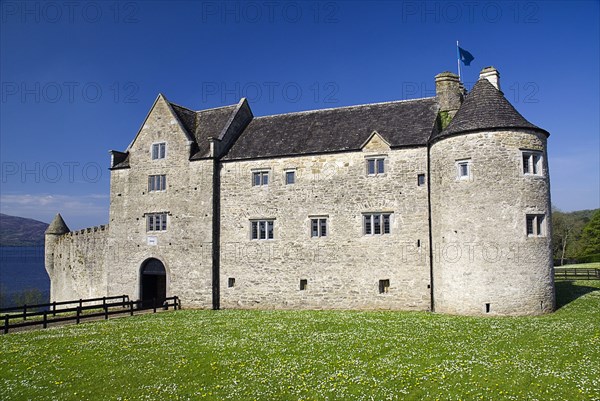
(568, 291)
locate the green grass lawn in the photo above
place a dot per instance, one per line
(594, 265)
(320, 355)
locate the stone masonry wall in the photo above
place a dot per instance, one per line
(185, 248)
(343, 269)
(79, 264)
(482, 253)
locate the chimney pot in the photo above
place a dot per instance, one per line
(492, 75)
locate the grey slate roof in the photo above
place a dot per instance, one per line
(400, 123)
(203, 124)
(485, 108)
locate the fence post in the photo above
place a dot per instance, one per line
(80, 302)
(78, 313)
(131, 307)
(6, 324)
(54, 308)
(154, 305)
(25, 312)
(45, 319)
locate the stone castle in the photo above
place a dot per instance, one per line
(440, 203)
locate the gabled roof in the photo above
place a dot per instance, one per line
(400, 123)
(204, 124)
(486, 108)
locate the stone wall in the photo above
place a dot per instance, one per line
(482, 253)
(79, 260)
(343, 269)
(185, 248)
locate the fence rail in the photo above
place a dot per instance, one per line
(45, 314)
(576, 274)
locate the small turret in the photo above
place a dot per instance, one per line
(57, 228)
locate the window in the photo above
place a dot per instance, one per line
(156, 222)
(231, 282)
(318, 227)
(377, 224)
(535, 225)
(384, 286)
(290, 177)
(261, 229)
(463, 169)
(421, 180)
(532, 163)
(376, 166)
(260, 178)
(157, 183)
(159, 150)
(303, 284)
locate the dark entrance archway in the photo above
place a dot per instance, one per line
(153, 282)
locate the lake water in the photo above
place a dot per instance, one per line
(22, 268)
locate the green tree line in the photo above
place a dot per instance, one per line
(576, 236)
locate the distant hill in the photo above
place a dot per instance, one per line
(18, 231)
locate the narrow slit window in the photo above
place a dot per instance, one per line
(463, 169)
(384, 286)
(231, 282)
(421, 180)
(303, 284)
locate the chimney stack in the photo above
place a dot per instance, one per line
(449, 92)
(492, 75)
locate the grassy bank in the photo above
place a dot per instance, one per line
(301, 355)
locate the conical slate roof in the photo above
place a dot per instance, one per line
(58, 226)
(486, 108)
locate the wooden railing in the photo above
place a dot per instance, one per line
(576, 274)
(78, 310)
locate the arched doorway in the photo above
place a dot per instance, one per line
(153, 282)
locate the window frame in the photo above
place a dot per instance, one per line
(321, 222)
(156, 220)
(375, 223)
(258, 227)
(419, 183)
(152, 182)
(466, 163)
(261, 174)
(161, 150)
(289, 172)
(379, 163)
(534, 166)
(537, 223)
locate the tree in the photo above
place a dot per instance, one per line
(590, 237)
(566, 230)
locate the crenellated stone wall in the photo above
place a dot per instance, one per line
(79, 264)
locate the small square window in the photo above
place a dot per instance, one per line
(231, 282)
(421, 180)
(262, 229)
(377, 223)
(290, 177)
(156, 222)
(159, 150)
(384, 286)
(157, 183)
(260, 178)
(376, 166)
(318, 227)
(535, 225)
(303, 284)
(463, 169)
(532, 163)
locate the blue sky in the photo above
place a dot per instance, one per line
(79, 78)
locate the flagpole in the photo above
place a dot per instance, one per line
(458, 60)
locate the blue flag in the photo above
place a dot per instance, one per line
(464, 55)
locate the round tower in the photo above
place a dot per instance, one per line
(490, 209)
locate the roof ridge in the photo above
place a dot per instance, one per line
(346, 107)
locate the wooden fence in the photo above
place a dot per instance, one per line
(576, 274)
(78, 310)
